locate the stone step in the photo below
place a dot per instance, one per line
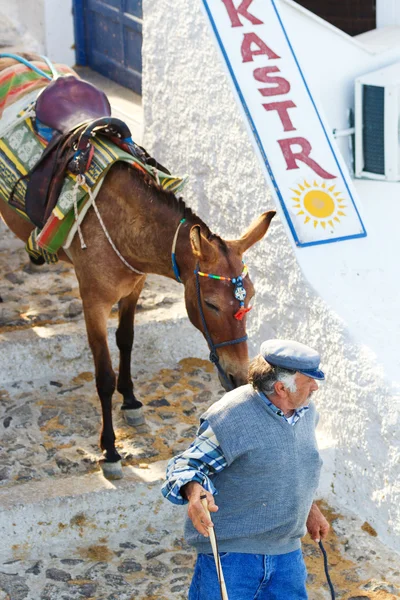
(89, 538)
(78, 511)
(86, 537)
(50, 414)
(161, 340)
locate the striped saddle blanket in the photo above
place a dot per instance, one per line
(20, 148)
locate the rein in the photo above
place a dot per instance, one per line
(326, 569)
(239, 293)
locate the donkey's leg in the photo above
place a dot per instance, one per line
(96, 316)
(132, 408)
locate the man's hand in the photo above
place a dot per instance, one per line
(196, 512)
(317, 526)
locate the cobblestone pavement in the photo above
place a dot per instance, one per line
(49, 432)
(158, 565)
(51, 429)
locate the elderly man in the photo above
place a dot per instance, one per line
(256, 449)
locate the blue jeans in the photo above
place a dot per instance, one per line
(251, 577)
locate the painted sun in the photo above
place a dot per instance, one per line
(319, 203)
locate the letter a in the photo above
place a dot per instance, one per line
(242, 10)
(248, 53)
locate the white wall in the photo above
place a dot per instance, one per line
(59, 30)
(14, 35)
(31, 16)
(193, 124)
(45, 26)
(387, 13)
(9, 9)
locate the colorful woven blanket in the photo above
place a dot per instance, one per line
(21, 147)
(18, 80)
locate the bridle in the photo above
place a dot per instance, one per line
(214, 358)
(239, 293)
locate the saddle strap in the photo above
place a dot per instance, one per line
(46, 177)
(109, 126)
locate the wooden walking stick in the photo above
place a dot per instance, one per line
(213, 540)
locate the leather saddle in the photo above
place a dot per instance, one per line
(77, 111)
(69, 152)
(69, 101)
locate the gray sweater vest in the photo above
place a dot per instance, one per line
(266, 491)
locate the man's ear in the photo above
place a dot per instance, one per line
(201, 247)
(279, 389)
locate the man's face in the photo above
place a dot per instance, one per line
(305, 388)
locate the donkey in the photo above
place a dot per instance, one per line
(154, 232)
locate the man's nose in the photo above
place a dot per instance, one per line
(315, 386)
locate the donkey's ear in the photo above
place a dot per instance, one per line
(201, 247)
(254, 233)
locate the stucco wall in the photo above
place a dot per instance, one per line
(44, 26)
(193, 124)
(21, 25)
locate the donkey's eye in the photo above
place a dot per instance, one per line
(212, 306)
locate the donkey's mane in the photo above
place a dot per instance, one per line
(170, 200)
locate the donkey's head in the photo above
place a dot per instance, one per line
(218, 295)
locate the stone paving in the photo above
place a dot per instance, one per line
(158, 566)
(49, 432)
(51, 429)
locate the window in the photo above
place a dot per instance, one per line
(351, 16)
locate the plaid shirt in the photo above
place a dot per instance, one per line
(205, 457)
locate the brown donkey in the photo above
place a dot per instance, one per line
(155, 233)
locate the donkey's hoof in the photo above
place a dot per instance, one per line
(112, 470)
(32, 267)
(134, 416)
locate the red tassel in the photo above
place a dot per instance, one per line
(241, 312)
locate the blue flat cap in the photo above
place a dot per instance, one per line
(288, 354)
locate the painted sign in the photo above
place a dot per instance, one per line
(308, 177)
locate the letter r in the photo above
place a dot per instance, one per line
(302, 155)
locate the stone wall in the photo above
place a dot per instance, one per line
(193, 125)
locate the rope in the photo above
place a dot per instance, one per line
(80, 180)
(52, 68)
(27, 64)
(30, 112)
(117, 252)
(173, 256)
(326, 569)
(156, 175)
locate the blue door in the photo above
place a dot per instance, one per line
(108, 37)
